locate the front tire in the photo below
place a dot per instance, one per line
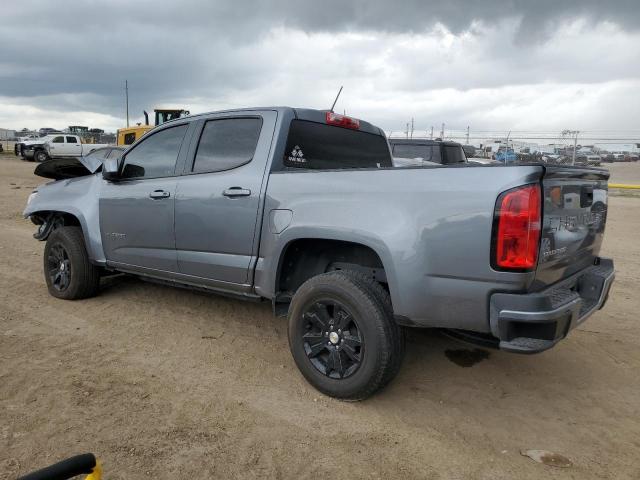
(40, 156)
(342, 335)
(69, 273)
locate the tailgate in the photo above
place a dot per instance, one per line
(574, 216)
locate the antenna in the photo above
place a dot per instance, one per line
(336, 100)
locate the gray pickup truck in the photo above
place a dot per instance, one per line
(304, 208)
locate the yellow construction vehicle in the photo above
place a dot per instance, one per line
(129, 135)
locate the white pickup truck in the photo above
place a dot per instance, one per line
(57, 145)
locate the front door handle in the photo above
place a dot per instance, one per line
(237, 192)
(156, 194)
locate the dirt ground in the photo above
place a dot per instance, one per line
(166, 383)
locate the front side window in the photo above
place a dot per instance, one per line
(227, 143)
(72, 140)
(156, 155)
(58, 140)
(318, 146)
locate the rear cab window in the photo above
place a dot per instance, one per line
(316, 146)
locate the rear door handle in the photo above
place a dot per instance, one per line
(237, 192)
(159, 194)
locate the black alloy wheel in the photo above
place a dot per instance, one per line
(59, 267)
(343, 336)
(68, 271)
(332, 339)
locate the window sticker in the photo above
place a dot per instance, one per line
(296, 155)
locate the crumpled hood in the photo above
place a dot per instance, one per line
(68, 167)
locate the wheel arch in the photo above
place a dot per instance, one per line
(301, 258)
(55, 218)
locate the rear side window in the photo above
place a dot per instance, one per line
(72, 140)
(227, 143)
(156, 155)
(318, 146)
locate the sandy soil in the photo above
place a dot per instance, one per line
(166, 383)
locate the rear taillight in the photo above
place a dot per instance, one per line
(342, 121)
(516, 227)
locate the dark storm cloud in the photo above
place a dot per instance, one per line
(75, 55)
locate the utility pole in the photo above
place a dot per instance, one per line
(431, 137)
(412, 127)
(442, 132)
(126, 96)
(407, 131)
(467, 135)
(575, 134)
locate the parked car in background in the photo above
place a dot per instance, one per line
(24, 143)
(17, 147)
(48, 131)
(587, 159)
(432, 151)
(505, 156)
(608, 157)
(631, 157)
(57, 145)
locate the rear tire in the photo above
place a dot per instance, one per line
(342, 335)
(69, 273)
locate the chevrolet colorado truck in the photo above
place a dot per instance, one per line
(303, 208)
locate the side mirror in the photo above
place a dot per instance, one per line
(110, 169)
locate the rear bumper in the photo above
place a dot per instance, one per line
(535, 322)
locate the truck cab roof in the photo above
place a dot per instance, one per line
(308, 114)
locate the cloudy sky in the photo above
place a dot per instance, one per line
(497, 64)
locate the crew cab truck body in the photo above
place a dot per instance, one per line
(57, 145)
(303, 208)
